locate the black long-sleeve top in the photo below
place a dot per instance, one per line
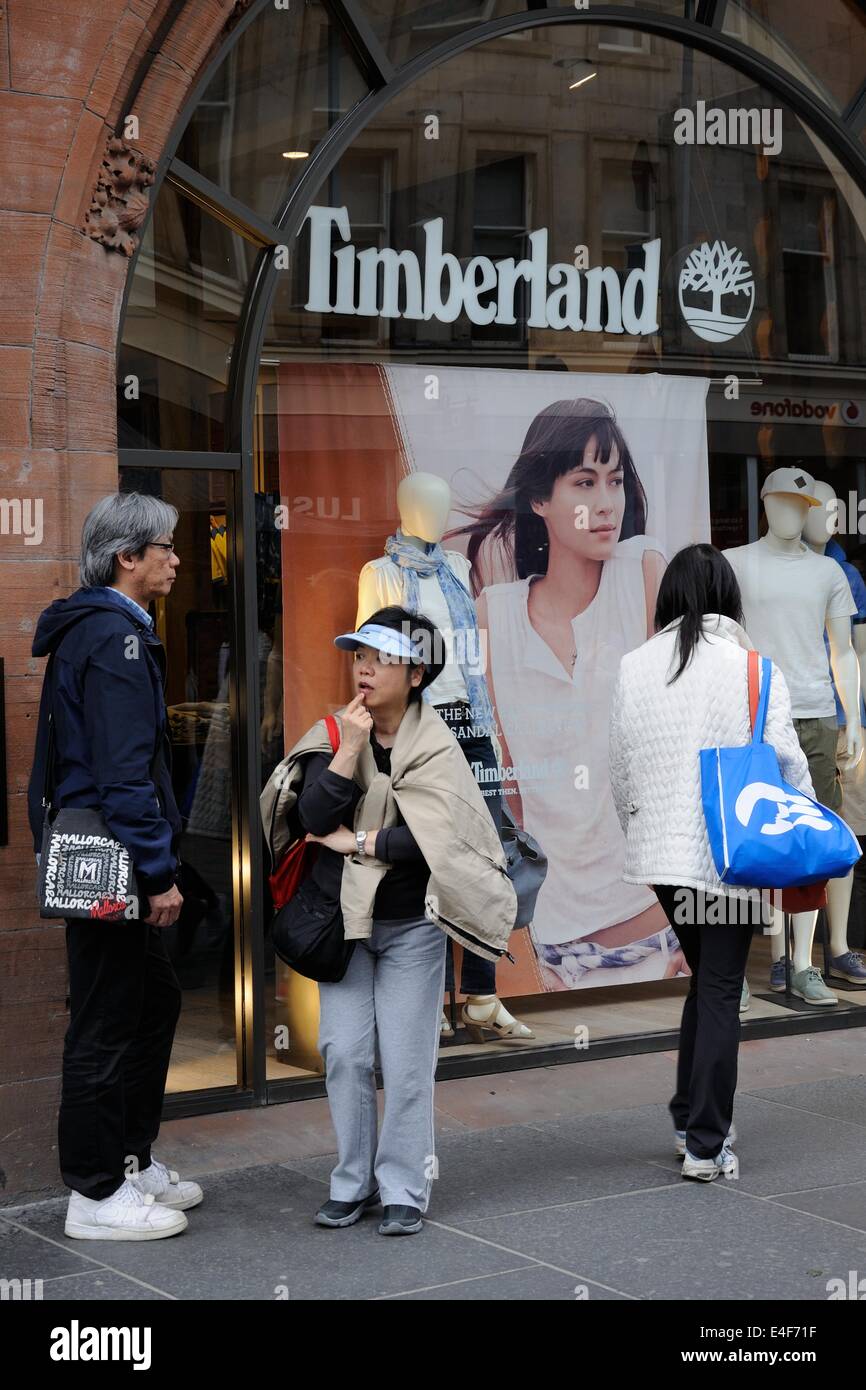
(326, 802)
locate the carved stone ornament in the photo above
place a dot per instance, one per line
(120, 200)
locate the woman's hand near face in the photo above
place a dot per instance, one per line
(356, 725)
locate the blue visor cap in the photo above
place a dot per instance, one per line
(388, 640)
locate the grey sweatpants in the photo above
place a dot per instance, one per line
(390, 994)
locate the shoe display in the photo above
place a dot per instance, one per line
(777, 976)
(850, 966)
(128, 1214)
(483, 1014)
(745, 998)
(809, 986)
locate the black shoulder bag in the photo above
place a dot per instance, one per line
(84, 871)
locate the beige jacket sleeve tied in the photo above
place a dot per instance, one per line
(469, 893)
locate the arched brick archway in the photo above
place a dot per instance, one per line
(66, 77)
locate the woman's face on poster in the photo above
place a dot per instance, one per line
(585, 510)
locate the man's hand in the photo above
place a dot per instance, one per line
(164, 908)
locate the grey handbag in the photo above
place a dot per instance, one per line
(84, 871)
(527, 865)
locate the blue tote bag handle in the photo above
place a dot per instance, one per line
(760, 720)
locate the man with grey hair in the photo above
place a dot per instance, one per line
(104, 687)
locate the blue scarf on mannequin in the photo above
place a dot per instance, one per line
(415, 564)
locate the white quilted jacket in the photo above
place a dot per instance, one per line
(656, 733)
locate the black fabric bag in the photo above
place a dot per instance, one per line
(308, 935)
(84, 870)
(527, 866)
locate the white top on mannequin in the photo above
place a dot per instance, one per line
(790, 594)
(424, 504)
(822, 523)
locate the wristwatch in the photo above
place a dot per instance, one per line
(361, 840)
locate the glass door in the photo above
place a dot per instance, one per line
(195, 625)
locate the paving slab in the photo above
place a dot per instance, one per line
(694, 1241)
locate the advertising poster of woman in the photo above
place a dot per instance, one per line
(568, 495)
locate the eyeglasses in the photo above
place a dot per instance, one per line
(167, 546)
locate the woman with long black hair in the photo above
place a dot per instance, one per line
(570, 522)
(685, 690)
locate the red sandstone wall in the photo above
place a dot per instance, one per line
(66, 67)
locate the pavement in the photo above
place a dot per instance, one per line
(557, 1183)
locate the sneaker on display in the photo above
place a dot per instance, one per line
(850, 966)
(745, 998)
(809, 986)
(165, 1186)
(777, 976)
(128, 1214)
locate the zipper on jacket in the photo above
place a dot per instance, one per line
(467, 936)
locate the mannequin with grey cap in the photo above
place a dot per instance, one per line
(790, 596)
(418, 574)
(820, 527)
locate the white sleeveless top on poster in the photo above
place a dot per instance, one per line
(556, 726)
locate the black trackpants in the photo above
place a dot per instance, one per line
(716, 952)
(124, 1005)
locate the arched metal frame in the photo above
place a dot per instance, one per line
(699, 28)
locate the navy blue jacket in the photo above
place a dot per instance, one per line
(108, 674)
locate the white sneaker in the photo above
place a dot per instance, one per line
(165, 1186)
(708, 1169)
(128, 1214)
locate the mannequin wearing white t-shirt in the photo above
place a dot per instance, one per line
(424, 504)
(786, 516)
(821, 524)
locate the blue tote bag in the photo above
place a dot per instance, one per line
(763, 832)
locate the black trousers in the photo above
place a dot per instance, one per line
(477, 975)
(716, 951)
(124, 1005)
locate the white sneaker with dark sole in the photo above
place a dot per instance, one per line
(128, 1214)
(708, 1169)
(166, 1187)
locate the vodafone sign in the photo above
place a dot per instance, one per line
(769, 408)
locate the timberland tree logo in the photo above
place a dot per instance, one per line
(716, 291)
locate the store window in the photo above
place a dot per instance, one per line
(287, 81)
(487, 280)
(519, 227)
(182, 315)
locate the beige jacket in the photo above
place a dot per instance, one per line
(469, 893)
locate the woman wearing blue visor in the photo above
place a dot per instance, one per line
(409, 849)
